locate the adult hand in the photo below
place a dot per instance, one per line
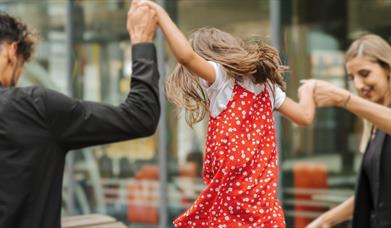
(328, 95)
(151, 4)
(141, 23)
(318, 223)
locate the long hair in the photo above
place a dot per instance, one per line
(239, 59)
(377, 50)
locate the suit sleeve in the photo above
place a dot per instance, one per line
(77, 124)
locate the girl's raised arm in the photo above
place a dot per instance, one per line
(179, 45)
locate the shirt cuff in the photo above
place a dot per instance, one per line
(144, 51)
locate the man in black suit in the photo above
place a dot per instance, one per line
(39, 126)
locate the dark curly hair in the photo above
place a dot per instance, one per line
(13, 30)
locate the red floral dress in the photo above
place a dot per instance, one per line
(240, 167)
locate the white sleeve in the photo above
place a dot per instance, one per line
(220, 92)
(277, 97)
(220, 78)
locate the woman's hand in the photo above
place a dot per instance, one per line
(318, 223)
(337, 215)
(328, 95)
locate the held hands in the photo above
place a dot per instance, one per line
(141, 23)
(327, 94)
(161, 14)
(306, 89)
(151, 5)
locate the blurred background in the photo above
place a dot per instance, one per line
(84, 51)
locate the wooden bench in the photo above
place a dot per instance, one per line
(91, 221)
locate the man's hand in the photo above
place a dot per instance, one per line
(141, 23)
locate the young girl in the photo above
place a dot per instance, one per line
(243, 86)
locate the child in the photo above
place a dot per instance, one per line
(242, 83)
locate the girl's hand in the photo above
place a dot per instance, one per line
(328, 95)
(307, 88)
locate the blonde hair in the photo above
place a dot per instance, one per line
(377, 50)
(373, 47)
(239, 59)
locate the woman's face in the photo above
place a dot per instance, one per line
(370, 79)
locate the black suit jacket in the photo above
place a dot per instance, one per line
(370, 209)
(38, 127)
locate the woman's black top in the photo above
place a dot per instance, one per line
(373, 194)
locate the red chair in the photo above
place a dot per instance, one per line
(307, 176)
(143, 196)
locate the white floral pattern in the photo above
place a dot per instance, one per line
(240, 168)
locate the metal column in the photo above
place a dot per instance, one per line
(275, 34)
(162, 150)
(69, 30)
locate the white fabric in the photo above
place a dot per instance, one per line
(221, 91)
